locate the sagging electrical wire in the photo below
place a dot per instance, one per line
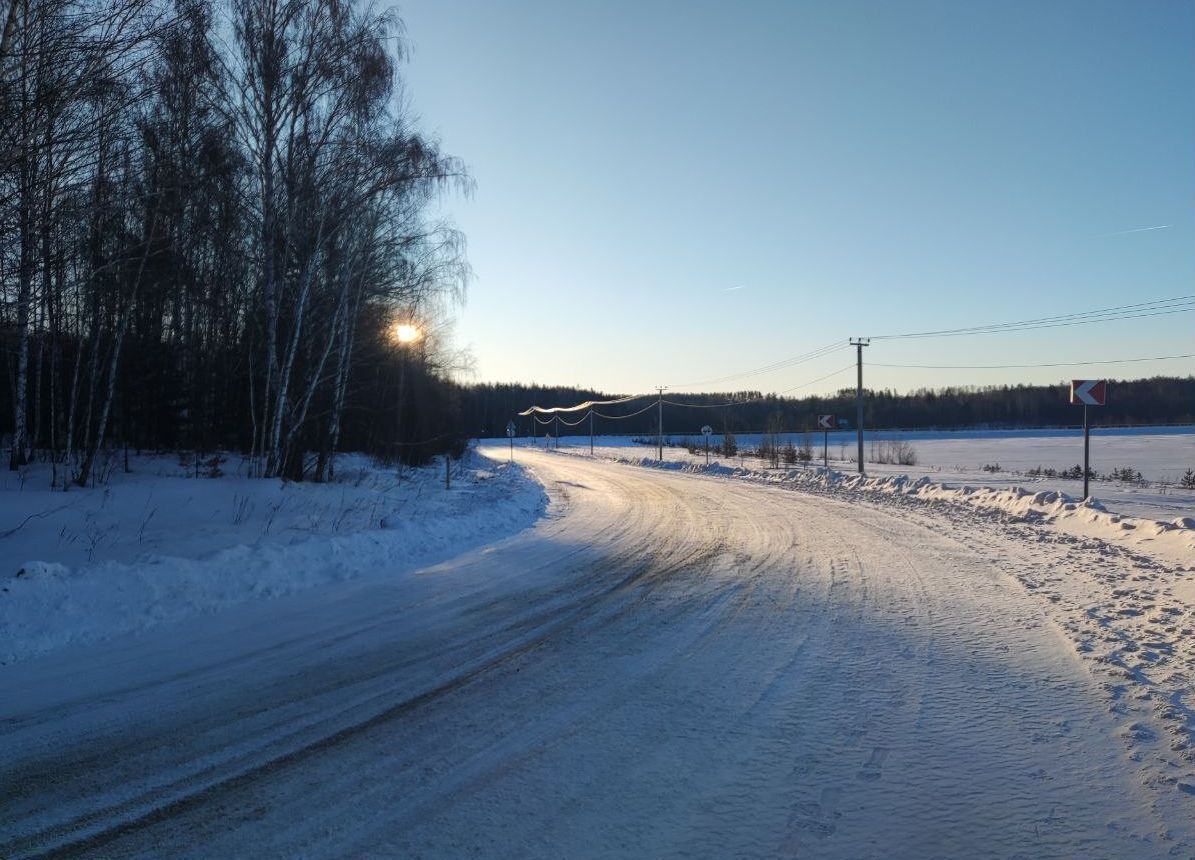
(1157, 307)
(588, 404)
(1026, 366)
(743, 402)
(631, 415)
(785, 363)
(575, 423)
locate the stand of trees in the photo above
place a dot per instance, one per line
(1161, 400)
(208, 232)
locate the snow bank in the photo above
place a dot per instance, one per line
(308, 535)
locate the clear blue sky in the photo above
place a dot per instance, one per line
(853, 168)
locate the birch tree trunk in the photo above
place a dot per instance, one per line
(114, 358)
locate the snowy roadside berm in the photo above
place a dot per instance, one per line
(157, 546)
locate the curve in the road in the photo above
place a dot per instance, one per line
(668, 665)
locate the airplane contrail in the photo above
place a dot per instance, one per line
(1137, 230)
(732, 289)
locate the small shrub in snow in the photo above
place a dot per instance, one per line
(212, 466)
(769, 452)
(805, 454)
(729, 446)
(893, 452)
(1188, 480)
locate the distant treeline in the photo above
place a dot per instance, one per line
(488, 407)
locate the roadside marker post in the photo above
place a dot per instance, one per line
(706, 431)
(510, 432)
(1088, 392)
(825, 422)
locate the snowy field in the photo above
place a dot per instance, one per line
(1161, 455)
(157, 544)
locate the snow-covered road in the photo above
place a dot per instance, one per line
(667, 665)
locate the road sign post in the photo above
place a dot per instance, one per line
(1088, 392)
(706, 431)
(825, 422)
(1086, 452)
(510, 433)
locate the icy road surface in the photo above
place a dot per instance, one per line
(667, 665)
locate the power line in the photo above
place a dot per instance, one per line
(1137, 310)
(1158, 307)
(748, 400)
(574, 424)
(1098, 315)
(588, 404)
(819, 379)
(776, 365)
(620, 417)
(1023, 366)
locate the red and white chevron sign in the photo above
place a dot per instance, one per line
(825, 422)
(1089, 392)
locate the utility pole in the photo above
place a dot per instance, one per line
(859, 344)
(590, 432)
(660, 423)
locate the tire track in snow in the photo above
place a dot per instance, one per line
(158, 801)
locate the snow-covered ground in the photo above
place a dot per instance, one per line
(1161, 455)
(666, 664)
(1170, 542)
(157, 544)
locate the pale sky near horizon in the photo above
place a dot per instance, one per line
(670, 192)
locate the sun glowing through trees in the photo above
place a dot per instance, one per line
(406, 333)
